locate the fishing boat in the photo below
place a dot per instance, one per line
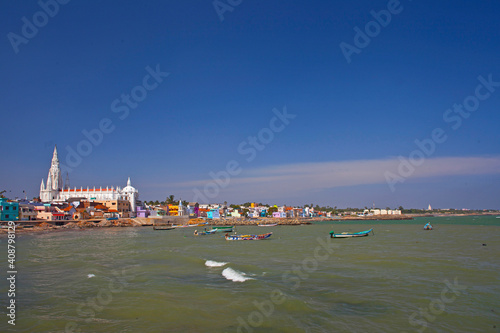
(248, 237)
(162, 227)
(223, 229)
(428, 226)
(204, 232)
(350, 234)
(268, 225)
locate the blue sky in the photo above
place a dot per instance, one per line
(350, 123)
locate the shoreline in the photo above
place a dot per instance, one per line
(44, 226)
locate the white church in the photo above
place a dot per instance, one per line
(55, 191)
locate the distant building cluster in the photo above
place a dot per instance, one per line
(59, 203)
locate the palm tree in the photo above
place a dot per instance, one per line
(170, 199)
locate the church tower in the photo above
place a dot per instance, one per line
(132, 195)
(54, 181)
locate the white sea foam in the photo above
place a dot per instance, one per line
(212, 263)
(90, 276)
(234, 275)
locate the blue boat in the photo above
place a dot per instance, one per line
(205, 232)
(350, 234)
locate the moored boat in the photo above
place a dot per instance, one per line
(204, 232)
(268, 225)
(223, 229)
(162, 227)
(248, 237)
(350, 234)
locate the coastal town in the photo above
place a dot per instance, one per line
(59, 205)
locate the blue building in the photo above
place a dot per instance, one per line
(9, 211)
(213, 214)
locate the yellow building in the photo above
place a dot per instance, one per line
(173, 210)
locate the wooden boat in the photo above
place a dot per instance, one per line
(223, 229)
(268, 225)
(350, 234)
(428, 226)
(162, 227)
(204, 232)
(248, 237)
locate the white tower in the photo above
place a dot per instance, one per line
(131, 194)
(54, 181)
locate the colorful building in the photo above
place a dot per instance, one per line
(213, 214)
(9, 210)
(173, 210)
(122, 207)
(27, 212)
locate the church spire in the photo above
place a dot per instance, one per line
(49, 182)
(55, 158)
(129, 183)
(42, 186)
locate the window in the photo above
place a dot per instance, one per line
(6, 207)
(14, 208)
(7, 216)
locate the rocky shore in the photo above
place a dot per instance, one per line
(44, 226)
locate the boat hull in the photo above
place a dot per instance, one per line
(350, 235)
(162, 228)
(204, 233)
(248, 237)
(223, 229)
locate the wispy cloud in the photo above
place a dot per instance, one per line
(289, 180)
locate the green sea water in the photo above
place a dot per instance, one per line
(400, 279)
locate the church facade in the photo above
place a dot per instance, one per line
(54, 190)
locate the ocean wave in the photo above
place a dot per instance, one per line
(234, 275)
(212, 263)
